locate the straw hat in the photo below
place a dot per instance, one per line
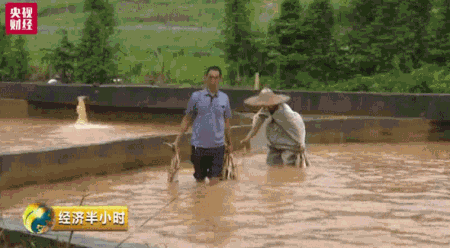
(266, 98)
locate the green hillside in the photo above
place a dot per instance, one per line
(144, 26)
(134, 19)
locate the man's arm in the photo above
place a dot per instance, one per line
(228, 131)
(227, 116)
(185, 124)
(191, 112)
(255, 128)
(258, 121)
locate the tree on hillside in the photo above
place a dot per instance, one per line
(21, 58)
(439, 40)
(373, 43)
(364, 14)
(95, 54)
(15, 57)
(287, 26)
(269, 46)
(238, 37)
(94, 5)
(5, 50)
(342, 14)
(317, 28)
(413, 16)
(62, 58)
(259, 58)
(290, 43)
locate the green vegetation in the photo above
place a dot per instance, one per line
(315, 45)
(16, 240)
(62, 58)
(238, 39)
(13, 57)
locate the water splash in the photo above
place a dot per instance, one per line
(82, 121)
(89, 126)
(257, 81)
(81, 110)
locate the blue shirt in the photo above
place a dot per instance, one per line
(208, 113)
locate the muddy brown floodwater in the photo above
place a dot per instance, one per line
(22, 135)
(354, 195)
(27, 134)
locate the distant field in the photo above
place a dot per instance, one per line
(145, 25)
(141, 31)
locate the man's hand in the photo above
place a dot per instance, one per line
(245, 140)
(177, 141)
(228, 136)
(185, 123)
(230, 147)
(176, 144)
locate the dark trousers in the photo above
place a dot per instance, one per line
(208, 162)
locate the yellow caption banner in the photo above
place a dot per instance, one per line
(90, 218)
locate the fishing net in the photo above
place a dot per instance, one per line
(229, 170)
(302, 160)
(175, 163)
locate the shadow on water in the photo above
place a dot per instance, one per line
(276, 196)
(54, 133)
(440, 131)
(211, 211)
(105, 114)
(351, 192)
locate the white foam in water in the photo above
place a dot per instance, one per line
(82, 121)
(89, 126)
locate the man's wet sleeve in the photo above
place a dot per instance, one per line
(263, 113)
(260, 117)
(191, 108)
(227, 113)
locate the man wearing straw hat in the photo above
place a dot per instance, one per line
(209, 113)
(285, 130)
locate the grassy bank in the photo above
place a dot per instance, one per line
(144, 27)
(437, 80)
(201, 48)
(13, 239)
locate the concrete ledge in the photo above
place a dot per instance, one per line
(364, 130)
(54, 164)
(50, 110)
(429, 106)
(13, 108)
(102, 114)
(15, 232)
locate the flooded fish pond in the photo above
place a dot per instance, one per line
(353, 195)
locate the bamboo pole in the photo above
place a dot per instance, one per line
(257, 86)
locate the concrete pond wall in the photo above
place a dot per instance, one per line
(427, 115)
(384, 121)
(54, 164)
(113, 99)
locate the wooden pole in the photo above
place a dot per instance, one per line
(257, 86)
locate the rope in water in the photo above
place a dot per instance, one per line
(151, 217)
(175, 163)
(229, 168)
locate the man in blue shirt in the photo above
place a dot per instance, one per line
(209, 113)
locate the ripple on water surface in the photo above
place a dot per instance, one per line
(22, 135)
(341, 201)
